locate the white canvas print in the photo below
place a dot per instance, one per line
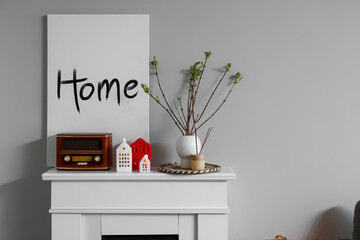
(96, 65)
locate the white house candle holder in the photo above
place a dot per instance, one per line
(124, 157)
(145, 164)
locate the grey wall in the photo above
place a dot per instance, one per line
(290, 130)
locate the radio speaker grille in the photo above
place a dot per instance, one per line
(82, 144)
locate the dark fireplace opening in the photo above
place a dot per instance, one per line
(140, 237)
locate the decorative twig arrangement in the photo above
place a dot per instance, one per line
(185, 119)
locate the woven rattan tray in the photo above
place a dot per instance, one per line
(175, 168)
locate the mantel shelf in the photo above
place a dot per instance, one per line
(225, 174)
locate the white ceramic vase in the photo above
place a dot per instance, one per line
(185, 147)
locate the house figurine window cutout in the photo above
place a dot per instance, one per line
(145, 164)
(124, 157)
(140, 148)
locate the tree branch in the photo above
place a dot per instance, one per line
(177, 110)
(163, 94)
(218, 107)
(198, 85)
(212, 94)
(182, 109)
(167, 110)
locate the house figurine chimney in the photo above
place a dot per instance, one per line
(124, 157)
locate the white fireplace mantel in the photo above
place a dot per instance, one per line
(87, 205)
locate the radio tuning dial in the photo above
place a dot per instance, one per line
(97, 158)
(67, 158)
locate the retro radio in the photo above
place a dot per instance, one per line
(83, 151)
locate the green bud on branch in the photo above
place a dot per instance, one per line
(154, 62)
(207, 55)
(238, 77)
(227, 67)
(145, 88)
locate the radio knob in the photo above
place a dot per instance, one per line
(97, 158)
(67, 158)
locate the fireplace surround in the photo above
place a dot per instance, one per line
(106, 205)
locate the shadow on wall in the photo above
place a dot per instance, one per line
(25, 202)
(333, 224)
(160, 153)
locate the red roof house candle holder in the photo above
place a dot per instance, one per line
(140, 148)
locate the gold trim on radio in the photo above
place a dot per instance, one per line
(82, 136)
